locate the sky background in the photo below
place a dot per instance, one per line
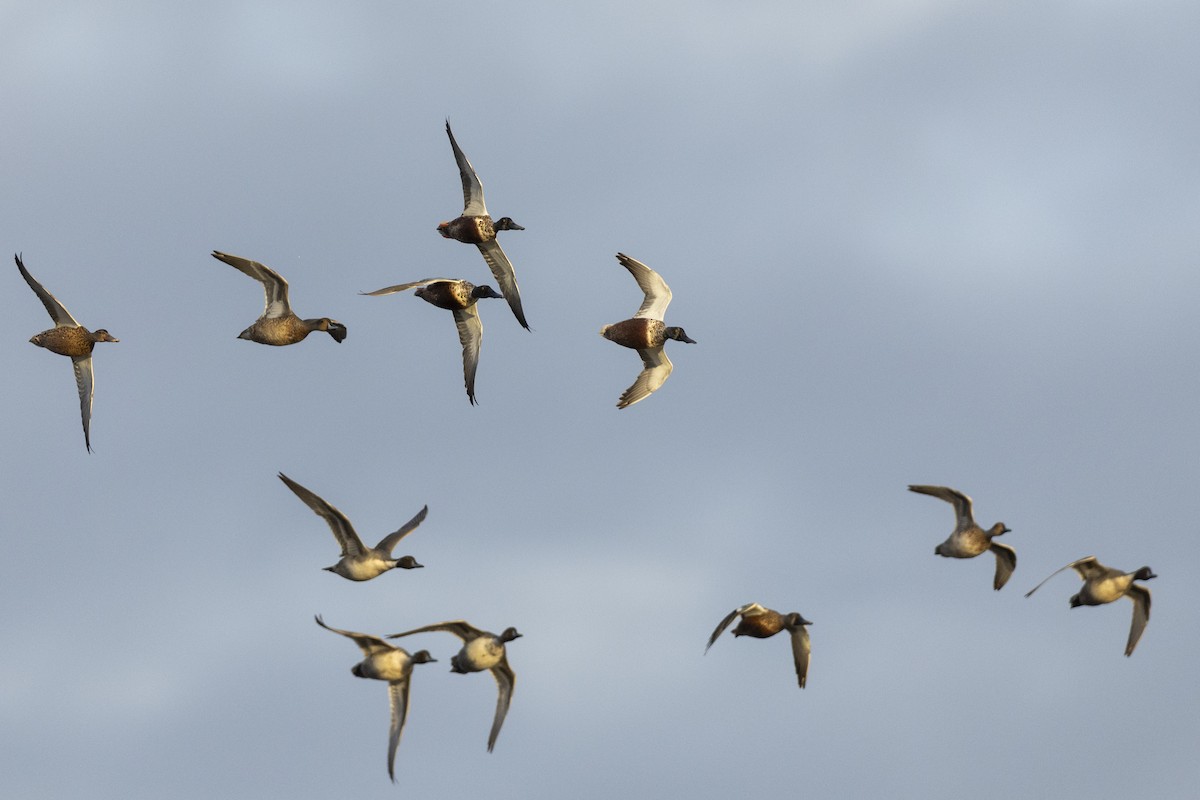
(923, 242)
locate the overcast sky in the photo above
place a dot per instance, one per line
(925, 242)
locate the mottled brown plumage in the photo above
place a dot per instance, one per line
(69, 338)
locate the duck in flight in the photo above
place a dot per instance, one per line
(278, 324)
(385, 662)
(475, 226)
(69, 338)
(968, 539)
(481, 651)
(358, 562)
(458, 297)
(1103, 584)
(763, 623)
(646, 332)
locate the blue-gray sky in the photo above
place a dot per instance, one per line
(933, 242)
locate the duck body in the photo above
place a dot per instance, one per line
(282, 331)
(477, 655)
(637, 334)
(76, 342)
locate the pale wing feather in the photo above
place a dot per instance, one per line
(57, 311)
(470, 336)
(398, 697)
(658, 294)
(506, 679)
(1073, 565)
(502, 271)
(962, 504)
(387, 543)
(85, 381)
(275, 288)
(1006, 562)
(801, 651)
(343, 531)
(721, 628)
(404, 286)
(459, 627)
(657, 368)
(748, 610)
(370, 645)
(1140, 596)
(473, 205)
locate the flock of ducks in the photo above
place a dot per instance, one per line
(646, 332)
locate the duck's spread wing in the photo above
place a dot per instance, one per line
(1082, 566)
(1140, 596)
(343, 531)
(473, 205)
(370, 645)
(62, 318)
(459, 627)
(502, 271)
(274, 286)
(389, 542)
(656, 369)
(1006, 562)
(470, 336)
(398, 697)
(506, 679)
(658, 294)
(960, 501)
(405, 286)
(85, 381)
(801, 650)
(730, 617)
